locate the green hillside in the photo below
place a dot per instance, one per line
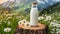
(51, 9)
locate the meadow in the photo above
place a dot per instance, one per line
(9, 19)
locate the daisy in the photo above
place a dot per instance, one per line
(27, 25)
(7, 29)
(40, 18)
(24, 21)
(52, 24)
(48, 18)
(20, 22)
(58, 25)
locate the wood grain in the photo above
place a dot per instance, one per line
(41, 29)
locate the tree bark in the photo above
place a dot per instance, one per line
(20, 30)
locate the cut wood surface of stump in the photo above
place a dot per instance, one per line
(40, 29)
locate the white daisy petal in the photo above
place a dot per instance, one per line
(7, 29)
(20, 22)
(27, 25)
(24, 21)
(58, 25)
(52, 24)
(40, 18)
(48, 18)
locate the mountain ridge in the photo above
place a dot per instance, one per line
(18, 4)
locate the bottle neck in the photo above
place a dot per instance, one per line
(34, 6)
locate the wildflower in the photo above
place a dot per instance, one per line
(58, 25)
(9, 18)
(48, 18)
(20, 22)
(7, 29)
(52, 24)
(49, 10)
(54, 20)
(24, 21)
(45, 15)
(27, 25)
(40, 18)
(10, 14)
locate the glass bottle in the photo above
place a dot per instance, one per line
(34, 14)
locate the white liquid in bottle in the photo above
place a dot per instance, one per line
(34, 15)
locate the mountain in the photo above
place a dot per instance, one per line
(24, 4)
(51, 9)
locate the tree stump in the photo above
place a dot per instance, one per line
(40, 29)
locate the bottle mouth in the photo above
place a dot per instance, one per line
(34, 3)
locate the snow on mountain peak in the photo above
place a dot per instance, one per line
(56, 0)
(39, 1)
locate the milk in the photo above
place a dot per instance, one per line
(34, 15)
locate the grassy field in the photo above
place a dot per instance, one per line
(10, 21)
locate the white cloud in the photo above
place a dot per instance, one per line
(46, 0)
(39, 1)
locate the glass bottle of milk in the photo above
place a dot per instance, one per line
(34, 14)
